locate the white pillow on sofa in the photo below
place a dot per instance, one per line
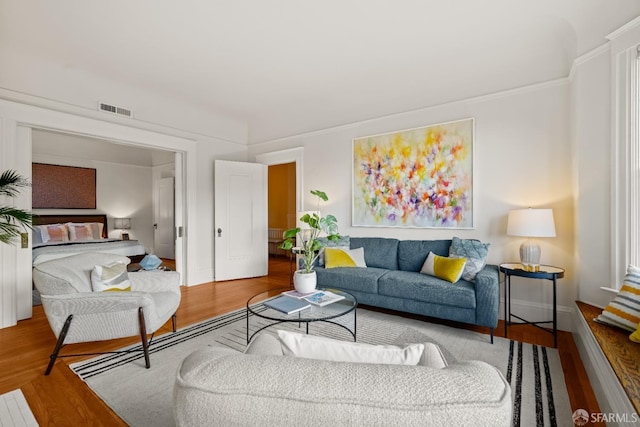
(111, 277)
(312, 347)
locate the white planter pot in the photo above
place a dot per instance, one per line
(305, 282)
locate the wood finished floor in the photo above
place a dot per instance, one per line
(62, 399)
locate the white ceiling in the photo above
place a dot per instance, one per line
(69, 146)
(294, 66)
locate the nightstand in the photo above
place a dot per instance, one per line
(546, 272)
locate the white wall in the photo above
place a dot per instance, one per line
(522, 158)
(591, 118)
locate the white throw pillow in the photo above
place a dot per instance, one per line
(312, 347)
(111, 277)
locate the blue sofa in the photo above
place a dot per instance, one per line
(392, 280)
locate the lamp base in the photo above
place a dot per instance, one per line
(530, 255)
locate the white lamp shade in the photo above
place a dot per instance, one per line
(531, 223)
(122, 223)
(304, 225)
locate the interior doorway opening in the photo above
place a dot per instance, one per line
(144, 191)
(282, 204)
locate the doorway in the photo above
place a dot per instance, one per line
(148, 174)
(281, 205)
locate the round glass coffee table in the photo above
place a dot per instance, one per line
(334, 313)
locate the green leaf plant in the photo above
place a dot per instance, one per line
(12, 221)
(310, 246)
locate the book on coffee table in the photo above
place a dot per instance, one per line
(323, 298)
(287, 305)
(299, 295)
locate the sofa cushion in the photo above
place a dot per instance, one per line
(378, 251)
(413, 253)
(350, 279)
(420, 287)
(442, 267)
(336, 257)
(475, 253)
(323, 348)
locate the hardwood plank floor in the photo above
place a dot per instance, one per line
(62, 399)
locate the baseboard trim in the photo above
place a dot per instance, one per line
(610, 394)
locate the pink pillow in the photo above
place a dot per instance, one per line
(79, 232)
(55, 233)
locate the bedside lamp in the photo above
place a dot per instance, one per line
(123, 224)
(531, 223)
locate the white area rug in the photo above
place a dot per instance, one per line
(143, 397)
(15, 411)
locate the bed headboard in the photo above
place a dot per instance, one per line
(61, 219)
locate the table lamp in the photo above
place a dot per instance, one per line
(123, 224)
(531, 223)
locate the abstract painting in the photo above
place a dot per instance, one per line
(419, 177)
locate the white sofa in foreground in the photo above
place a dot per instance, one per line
(264, 387)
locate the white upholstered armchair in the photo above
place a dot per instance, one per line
(78, 313)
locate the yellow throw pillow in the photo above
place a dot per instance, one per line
(635, 337)
(336, 257)
(624, 311)
(449, 269)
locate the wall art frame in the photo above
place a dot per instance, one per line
(62, 187)
(415, 178)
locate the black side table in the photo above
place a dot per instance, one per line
(546, 272)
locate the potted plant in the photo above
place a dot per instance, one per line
(305, 279)
(12, 221)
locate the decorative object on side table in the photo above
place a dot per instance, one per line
(531, 223)
(150, 262)
(311, 225)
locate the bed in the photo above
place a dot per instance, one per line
(59, 236)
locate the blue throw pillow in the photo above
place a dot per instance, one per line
(474, 251)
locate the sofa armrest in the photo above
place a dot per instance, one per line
(155, 281)
(488, 296)
(265, 344)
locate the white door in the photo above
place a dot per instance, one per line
(180, 216)
(164, 236)
(240, 224)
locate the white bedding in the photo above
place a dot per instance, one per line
(47, 252)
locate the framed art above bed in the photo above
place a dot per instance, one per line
(62, 187)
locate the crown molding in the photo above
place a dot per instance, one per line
(626, 27)
(586, 57)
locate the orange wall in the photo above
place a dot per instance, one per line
(282, 198)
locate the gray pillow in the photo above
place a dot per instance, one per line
(474, 251)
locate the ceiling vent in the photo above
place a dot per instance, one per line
(114, 109)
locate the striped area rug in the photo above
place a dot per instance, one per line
(142, 397)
